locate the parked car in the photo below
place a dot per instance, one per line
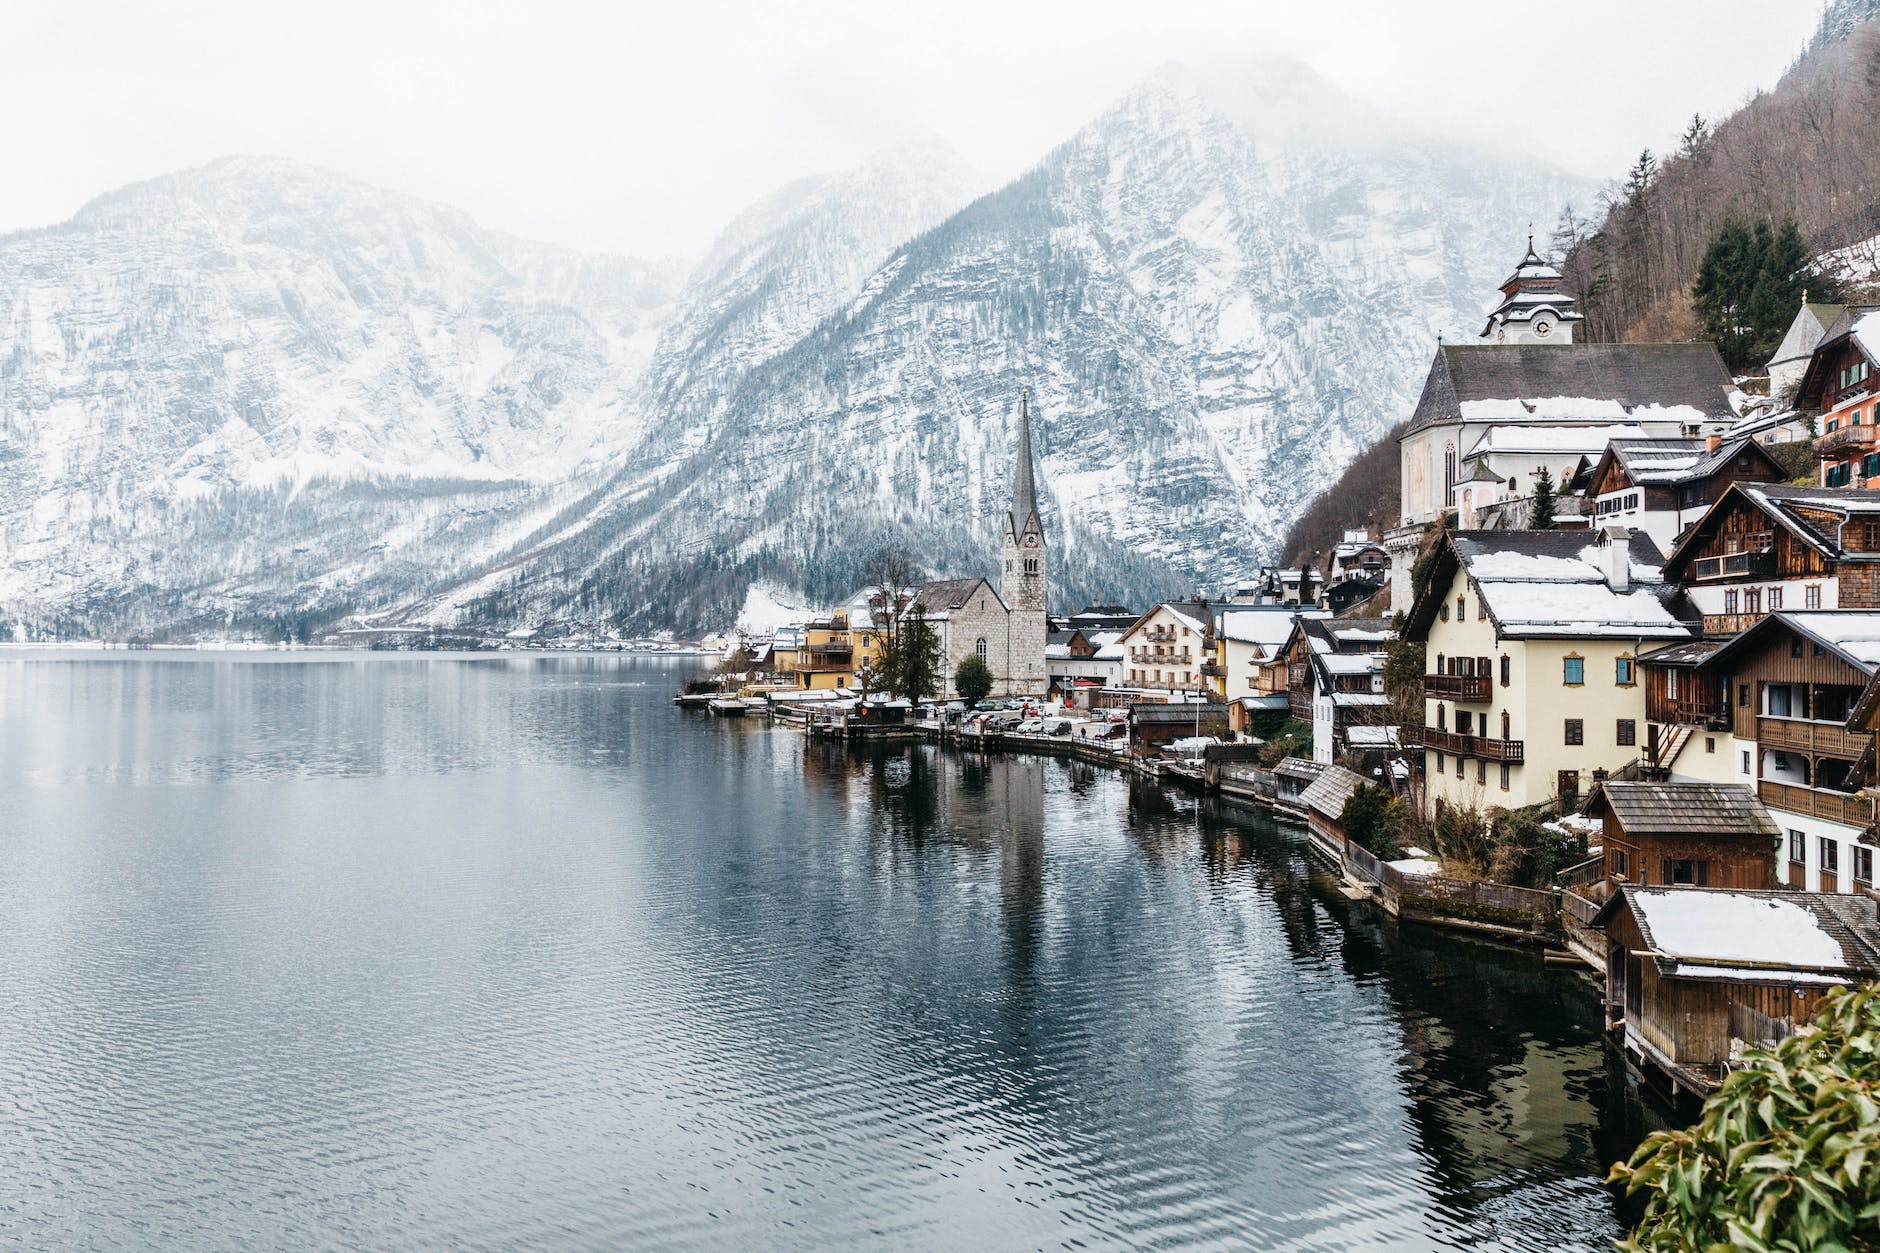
(1031, 726)
(1057, 726)
(1115, 731)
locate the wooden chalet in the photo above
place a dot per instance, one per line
(1661, 486)
(1691, 834)
(1842, 384)
(1324, 801)
(1764, 547)
(1152, 726)
(1695, 975)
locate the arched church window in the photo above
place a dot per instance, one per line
(979, 647)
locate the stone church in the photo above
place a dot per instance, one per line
(1003, 624)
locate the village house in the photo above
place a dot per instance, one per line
(1335, 673)
(1778, 700)
(1532, 641)
(1662, 486)
(1248, 641)
(1839, 383)
(1163, 655)
(1695, 975)
(1764, 547)
(1082, 663)
(1692, 834)
(1005, 625)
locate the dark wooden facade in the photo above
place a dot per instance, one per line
(1684, 1026)
(1648, 857)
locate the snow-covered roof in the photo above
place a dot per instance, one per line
(1557, 439)
(1554, 583)
(1359, 700)
(1268, 626)
(1352, 663)
(1603, 383)
(1543, 409)
(1780, 931)
(1372, 737)
(1867, 334)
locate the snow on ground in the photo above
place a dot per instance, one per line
(765, 610)
(1731, 927)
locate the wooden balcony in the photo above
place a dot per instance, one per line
(1730, 623)
(1760, 563)
(1851, 811)
(1708, 711)
(1813, 738)
(1299, 702)
(1859, 438)
(1469, 689)
(1513, 751)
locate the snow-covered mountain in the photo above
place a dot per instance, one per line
(257, 391)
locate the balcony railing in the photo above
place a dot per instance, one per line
(1470, 689)
(1299, 702)
(1691, 711)
(1213, 669)
(1850, 811)
(1810, 737)
(1474, 745)
(1735, 565)
(1860, 437)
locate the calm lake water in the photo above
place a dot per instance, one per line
(341, 950)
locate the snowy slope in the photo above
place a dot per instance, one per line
(1219, 291)
(258, 392)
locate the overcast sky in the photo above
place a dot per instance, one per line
(642, 129)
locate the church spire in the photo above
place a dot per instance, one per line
(1024, 510)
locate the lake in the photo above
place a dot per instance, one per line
(304, 949)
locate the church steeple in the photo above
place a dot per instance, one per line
(1023, 584)
(1024, 512)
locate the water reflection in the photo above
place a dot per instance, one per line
(496, 951)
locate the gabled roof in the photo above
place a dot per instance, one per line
(1268, 626)
(1627, 378)
(941, 596)
(1851, 635)
(1190, 614)
(1776, 936)
(1859, 324)
(1780, 505)
(1705, 809)
(1329, 792)
(1551, 584)
(1668, 462)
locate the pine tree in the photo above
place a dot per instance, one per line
(1542, 516)
(918, 662)
(1305, 581)
(1748, 287)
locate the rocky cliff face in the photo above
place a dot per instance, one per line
(258, 392)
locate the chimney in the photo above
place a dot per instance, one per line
(1618, 550)
(1712, 443)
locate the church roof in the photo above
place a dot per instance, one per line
(1811, 325)
(1616, 380)
(1024, 510)
(941, 596)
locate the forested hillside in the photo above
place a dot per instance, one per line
(1801, 153)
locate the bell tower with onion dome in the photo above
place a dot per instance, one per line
(1535, 306)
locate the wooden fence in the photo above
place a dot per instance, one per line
(1446, 895)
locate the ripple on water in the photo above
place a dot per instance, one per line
(443, 952)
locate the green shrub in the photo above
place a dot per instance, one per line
(1786, 1154)
(1374, 820)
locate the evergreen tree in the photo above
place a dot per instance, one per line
(918, 659)
(1541, 518)
(972, 680)
(1748, 287)
(1305, 581)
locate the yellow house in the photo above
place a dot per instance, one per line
(1532, 679)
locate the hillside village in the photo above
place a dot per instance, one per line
(1612, 673)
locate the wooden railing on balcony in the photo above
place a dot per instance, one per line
(1440, 741)
(1299, 703)
(1760, 561)
(1706, 710)
(1730, 623)
(1470, 689)
(1852, 811)
(1809, 737)
(1857, 438)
